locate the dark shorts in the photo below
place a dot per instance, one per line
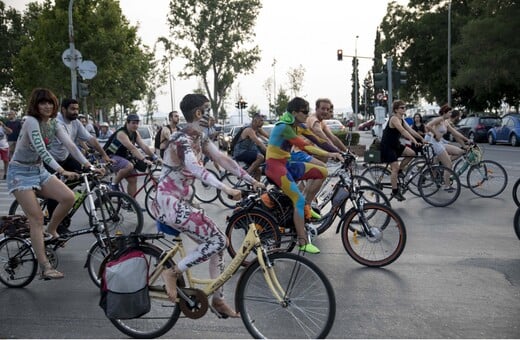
(247, 157)
(389, 154)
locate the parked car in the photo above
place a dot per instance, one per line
(225, 138)
(147, 134)
(365, 126)
(334, 125)
(508, 131)
(476, 128)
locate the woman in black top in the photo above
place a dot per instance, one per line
(418, 125)
(391, 147)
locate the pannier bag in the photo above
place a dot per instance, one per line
(124, 288)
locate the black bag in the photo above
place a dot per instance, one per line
(158, 141)
(124, 286)
(139, 165)
(235, 139)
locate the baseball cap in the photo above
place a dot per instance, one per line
(104, 124)
(132, 117)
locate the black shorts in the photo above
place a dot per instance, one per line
(391, 154)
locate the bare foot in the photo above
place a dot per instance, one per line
(170, 280)
(223, 308)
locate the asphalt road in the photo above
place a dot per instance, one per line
(458, 277)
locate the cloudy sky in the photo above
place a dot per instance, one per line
(294, 32)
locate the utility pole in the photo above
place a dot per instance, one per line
(449, 54)
(73, 64)
(390, 100)
(356, 90)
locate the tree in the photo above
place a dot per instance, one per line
(355, 78)
(296, 76)
(11, 31)
(212, 36)
(102, 35)
(280, 105)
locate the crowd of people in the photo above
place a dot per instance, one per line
(294, 152)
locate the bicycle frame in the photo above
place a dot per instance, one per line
(252, 240)
(148, 177)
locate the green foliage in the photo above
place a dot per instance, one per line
(485, 50)
(281, 101)
(344, 135)
(101, 34)
(213, 36)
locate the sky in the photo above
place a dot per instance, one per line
(292, 32)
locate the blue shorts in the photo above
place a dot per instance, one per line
(26, 177)
(118, 163)
(300, 156)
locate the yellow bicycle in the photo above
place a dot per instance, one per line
(280, 295)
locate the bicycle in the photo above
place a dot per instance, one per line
(516, 223)
(485, 178)
(421, 174)
(278, 295)
(373, 234)
(516, 192)
(18, 264)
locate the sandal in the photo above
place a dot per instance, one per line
(223, 310)
(51, 274)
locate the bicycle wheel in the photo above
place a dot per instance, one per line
(308, 308)
(152, 183)
(95, 257)
(204, 192)
(163, 313)
(238, 226)
(461, 169)
(433, 189)
(487, 179)
(379, 175)
(16, 209)
(235, 183)
(385, 244)
(121, 213)
(18, 265)
(516, 223)
(413, 172)
(516, 193)
(149, 198)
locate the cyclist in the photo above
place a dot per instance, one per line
(284, 171)
(121, 147)
(391, 147)
(445, 151)
(181, 165)
(26, 175)
(68, 119)
(250, 147)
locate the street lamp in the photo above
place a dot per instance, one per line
(172, 100)
(449, 53)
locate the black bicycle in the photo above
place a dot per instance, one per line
(373, 234)
(113, 213)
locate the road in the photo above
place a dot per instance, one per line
(458, 277)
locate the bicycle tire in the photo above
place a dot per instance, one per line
(18, 265)
(516, 192)
(238, 226)
(149, 198)
(149, 184)
(432, 186)
(206, 193)
(163, 314)
(386, 244)
(16, 209)
(461, 169)
(379, 175)
(413, 172)
(308, 309)
(122, 213)
(235, 183)
(487, 179)
(96, 254)
(516, 223)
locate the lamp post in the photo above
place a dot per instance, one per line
(449, 54)
(356, 90)
(274, 88)
(73, 63)
(171, 86)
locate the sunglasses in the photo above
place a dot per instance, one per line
(305, 112)
(402, 107)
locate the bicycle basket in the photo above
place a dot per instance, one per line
(474, 155)
(15, 225)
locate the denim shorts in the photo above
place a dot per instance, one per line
(26, 177)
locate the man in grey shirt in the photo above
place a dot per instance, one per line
(68, 119)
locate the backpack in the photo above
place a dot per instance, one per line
(124, 286)
(157, 142)
(235, 139)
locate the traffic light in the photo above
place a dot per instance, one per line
(399, 78)
(380, 81)
(83, 90)
(340, 55)
(243, 104)
(237, 105)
